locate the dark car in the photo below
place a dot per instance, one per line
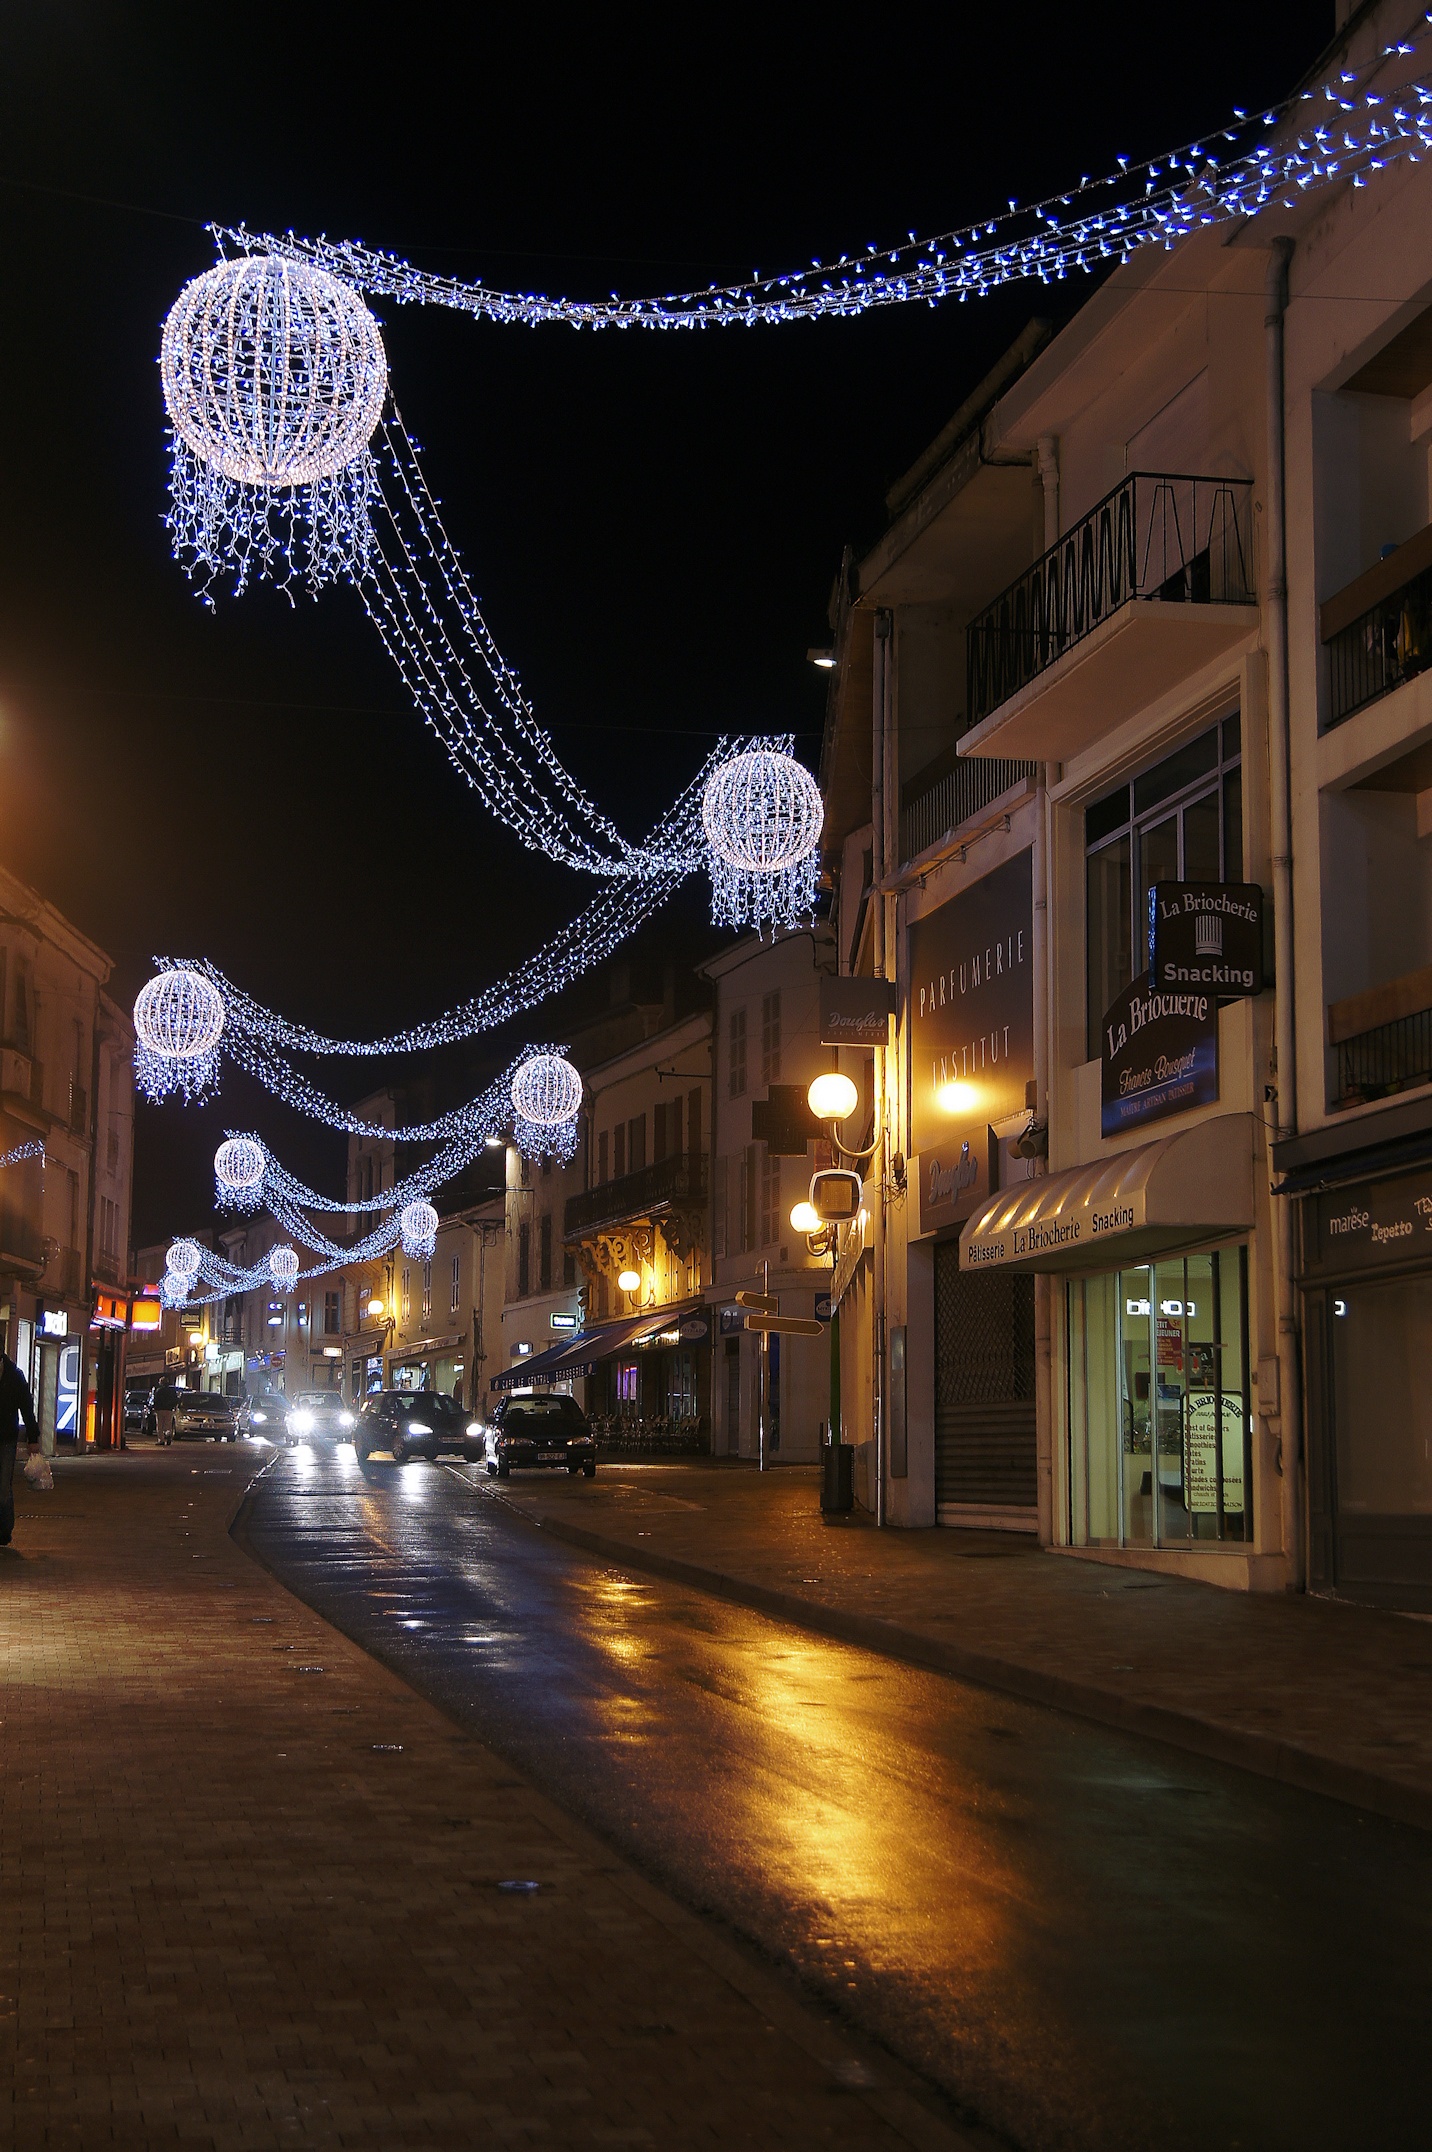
(539, 1431)
(205, 1416)
(137, 1419)
(415, 1423)
(318, 1416)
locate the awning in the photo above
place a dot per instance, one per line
(1193, 1187)
(580, 1355)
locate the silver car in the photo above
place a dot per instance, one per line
(205, 1416)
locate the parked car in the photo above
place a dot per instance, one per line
(415, 1423)
(206, 1416)
(545, 1432)
(318, 1416)
(137, 1396)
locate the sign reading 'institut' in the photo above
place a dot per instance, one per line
(971, 1035)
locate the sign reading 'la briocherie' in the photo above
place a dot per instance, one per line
(971, 1034)
(1207, 934)
(1160, 1054)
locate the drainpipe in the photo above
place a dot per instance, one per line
(1290, 1448)
(879, 755)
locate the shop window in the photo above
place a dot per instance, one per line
(736, 1054)
(771, 1037)
(1160, 1423)
(1180, 821)
(624, 1387)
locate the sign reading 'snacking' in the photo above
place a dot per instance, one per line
(971, 1035)
(1159, 1054)
(1207, 934)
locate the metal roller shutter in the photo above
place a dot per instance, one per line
(985, 1447)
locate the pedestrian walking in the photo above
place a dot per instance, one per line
(17, 1409)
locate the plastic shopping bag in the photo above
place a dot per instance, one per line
(38, 1473)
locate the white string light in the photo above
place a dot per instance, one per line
(274, 377)
(22, 1151)
(762, 815)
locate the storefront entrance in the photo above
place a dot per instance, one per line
(986, 1467)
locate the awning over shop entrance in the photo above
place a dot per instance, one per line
(580, 1355)
(1192, 1187)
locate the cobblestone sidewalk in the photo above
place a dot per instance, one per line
(252, 1889)
(1336, 1699)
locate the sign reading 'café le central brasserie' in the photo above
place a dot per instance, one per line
(971, 1035)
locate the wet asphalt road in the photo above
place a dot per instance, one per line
(1087, 1939)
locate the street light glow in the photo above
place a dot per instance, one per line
(805, 1218)
(629, 1280)
(957, 1097)
(832, 1097)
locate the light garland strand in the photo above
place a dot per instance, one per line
(1158, 202)
(22, 1151)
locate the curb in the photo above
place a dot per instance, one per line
(1246, 1750)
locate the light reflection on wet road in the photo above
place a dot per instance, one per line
(1090, 1940)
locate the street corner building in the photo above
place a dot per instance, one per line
(1128, 783)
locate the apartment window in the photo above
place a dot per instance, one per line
(619, 1150)
(736, 1054)
(456, 1283)
(569, 1267)
(407, 1296)
(112, 1149)
(770, 1199)
(367, 1195)
(720, 1209)
(108, 1228)
(693, 1123)
(659, 1131)
(636, 1143)
(748, 1197)
(427, 1293)
(601, 1157)
(544, 1252)
(771, 1037)
(546, 1164)
(22, 1010)
(1181, 821)
(524, 1258)
(332, 1319)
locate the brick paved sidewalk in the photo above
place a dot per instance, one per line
(250, 1888)
(1333, 1698)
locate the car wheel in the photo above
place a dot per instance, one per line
(574, 1468)
(589, 1471)
(360, 1451)
(399, 1448)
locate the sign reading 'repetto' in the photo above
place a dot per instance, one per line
(1207, 934)
(1160, 1054)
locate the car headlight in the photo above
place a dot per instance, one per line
(301, 1422)
(346, 1419)
(418, 1427)
(474, 1427)
(259, 1419)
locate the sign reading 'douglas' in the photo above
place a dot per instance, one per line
(971, 1035)
(856, 1012)
(1207, 934)
(1160, 1054)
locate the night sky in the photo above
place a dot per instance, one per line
(653, 521)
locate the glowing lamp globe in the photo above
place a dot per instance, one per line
(418, 1226)
(184, 1257)
(375, 1309)
(274, 377)
(762, 815)
(804, 1218)
(239, 1170)
(283, 1268)
(629, 1280)
(178, 1023)
(832, 1097)
(546, 1090)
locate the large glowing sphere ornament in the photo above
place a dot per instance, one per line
(546, 1098)
(183, 1258)
(762, 816)
(418, 1226)
(274, 377)
(283, 1268)
(239, 1171)
(178, 1023)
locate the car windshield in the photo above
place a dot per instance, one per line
(429, 1405)
(319, 1401)
(543, 1408)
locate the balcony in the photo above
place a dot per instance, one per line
(1382, 1039)
(672, 1183)
(1378, 631)
(933, 810)
(1148, 588)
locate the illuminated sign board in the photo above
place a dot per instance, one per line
(146, 1315)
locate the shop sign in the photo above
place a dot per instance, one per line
(563, 1321)
(1160, 1055)
(1374, 1223)
(110, 1311)
(67, 1392)
(971, 1009)
(54, 1323)
(694, 1330)
(856, 1012)
(733, 1320)
(822, 1307)
(1207, 934)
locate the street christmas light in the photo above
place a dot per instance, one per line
(832, 1097)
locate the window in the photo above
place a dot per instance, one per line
(367, 1195)
(544, 1253)
(546, 1164)
(407, 1296)
(109, 1228)
(636, 1143)
(601, 1157)
(748, 1197)
(771, 1037)
(736, 1054)
(332, 1320)
(770, 1199)
(456, 1283)
(693, 1124)
(1180, 821)
(427, 1293)
(619, 1150)
(569, 1267)
(661, 1145)
(524, 1258)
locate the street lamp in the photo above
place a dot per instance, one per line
(833, 1097)
(629, 1280)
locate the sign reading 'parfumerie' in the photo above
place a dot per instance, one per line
(1207, 934)
(1160, 1055)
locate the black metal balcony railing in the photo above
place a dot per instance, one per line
(957, 797)
(1384, 646)
(670, 1181)
(1390, 1057)
(1185, 541)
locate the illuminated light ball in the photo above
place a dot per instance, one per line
(805, 1218)
(283, 1268)
(762, 815)
(184, 1257)
(418, 1225)
(546, 1091)
(629, 1280)
(832, 1098)
(239, 1166)
(179, 1014)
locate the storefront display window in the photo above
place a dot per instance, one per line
(1381, 1338)
(1159, 1407)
